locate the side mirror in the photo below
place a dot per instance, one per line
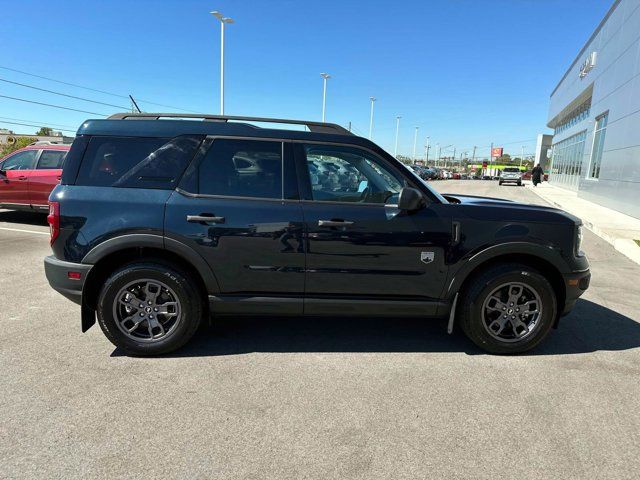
(410, 199)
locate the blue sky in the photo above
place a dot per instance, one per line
(466, 72)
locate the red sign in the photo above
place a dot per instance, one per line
(496, 152)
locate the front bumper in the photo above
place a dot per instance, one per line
(575, 285)
(61, 276)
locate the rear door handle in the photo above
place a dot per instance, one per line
(22, 177)
(334, 223)
(205, 218)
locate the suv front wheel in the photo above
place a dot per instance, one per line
(509, 308)
(149, 308)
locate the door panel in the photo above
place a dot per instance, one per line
(14, 184)
(256, 248)
(244, 218)
(379, 254)
(359, 243)
(47, 175)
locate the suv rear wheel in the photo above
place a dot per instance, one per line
(149, 308)
(509, 308)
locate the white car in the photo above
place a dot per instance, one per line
(511, 175)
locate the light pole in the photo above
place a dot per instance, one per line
(427, 147)
(325, 77)
(395, 150)
(373, 99)
(415, 143)
(223, 21)
(438, 157)
(521, 156)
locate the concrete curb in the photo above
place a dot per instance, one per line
(626, 246)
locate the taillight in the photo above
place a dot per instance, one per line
(53, 219)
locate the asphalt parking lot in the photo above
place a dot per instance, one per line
(317, 398)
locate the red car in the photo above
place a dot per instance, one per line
(28, 175)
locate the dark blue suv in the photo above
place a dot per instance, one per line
(161, 222)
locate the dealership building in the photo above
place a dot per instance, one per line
(595, 115)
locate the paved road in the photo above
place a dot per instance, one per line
(333, 398)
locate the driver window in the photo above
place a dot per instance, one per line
(348, 174)
(21, 161)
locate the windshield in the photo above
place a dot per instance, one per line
(511, 170)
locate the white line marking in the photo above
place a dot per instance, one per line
(24, 231)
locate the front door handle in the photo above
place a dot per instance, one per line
(22, 177)
(205, 218)
(334, 223)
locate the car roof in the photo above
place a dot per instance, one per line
(155, 125)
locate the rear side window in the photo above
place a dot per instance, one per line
(242, 168)
(137, 162)
(51, 159)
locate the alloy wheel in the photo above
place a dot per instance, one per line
(512, 312)
(147, 310)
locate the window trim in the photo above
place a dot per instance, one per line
(593, 142)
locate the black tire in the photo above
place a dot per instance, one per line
(470, 307)
(519, 183)
(188, 295)
(500, 184)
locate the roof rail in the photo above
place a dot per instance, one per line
(319, 127)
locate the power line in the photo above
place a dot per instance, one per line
(104, 92)
(62, 94)
(36, 126)
(36, 121)
(50, 105)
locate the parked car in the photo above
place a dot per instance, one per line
(511, 175)
(158, 225)
(28, 175)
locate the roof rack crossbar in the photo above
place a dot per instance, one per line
(319, 127)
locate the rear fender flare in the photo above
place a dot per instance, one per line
(137, 240)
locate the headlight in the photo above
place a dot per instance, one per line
(578, 241)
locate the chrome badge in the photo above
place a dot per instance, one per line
(427, 257)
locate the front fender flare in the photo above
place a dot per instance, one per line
(547, 253)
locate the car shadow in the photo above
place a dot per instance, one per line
(589, 328)
(25, 218)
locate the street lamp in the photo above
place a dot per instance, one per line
(415, 143)
(223, 21)
(325, 77)
(395, 151)
(427, 147)
(373, 99)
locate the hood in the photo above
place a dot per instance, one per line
(510, 209)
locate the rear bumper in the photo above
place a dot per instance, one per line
(575, 285)
(57, 272)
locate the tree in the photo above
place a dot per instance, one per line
(44, 131)
(20, 142)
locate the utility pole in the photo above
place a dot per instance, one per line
(415, 143)
(521, 156)
(473, 159)
(490, 158)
